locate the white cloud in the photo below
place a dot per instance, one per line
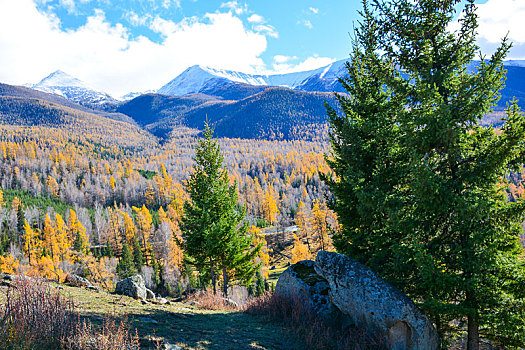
(281, 64)
(167, 3)
(306, 23)
(314, 10)
(255, 18)
(235, 7)
(69, 5)
(266, 29)
(104, 55)
(135, 19)
(499, 17)
(283, 59)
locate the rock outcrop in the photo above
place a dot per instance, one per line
(134, 287)
(340, 289)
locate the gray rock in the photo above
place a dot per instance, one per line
(371, 302)
(95, 288)
(77, 281)
(238, 294)
(133, 287)
(162, 301)
(231, 303)
(168, 346)
(150, 295)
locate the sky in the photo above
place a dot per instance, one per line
(137, 45)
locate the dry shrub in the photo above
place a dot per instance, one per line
(113, 335)
(206, 299)
(297, 315)
(34, 316)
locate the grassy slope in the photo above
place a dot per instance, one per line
(182, 324)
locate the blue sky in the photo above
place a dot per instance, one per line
(137, 45)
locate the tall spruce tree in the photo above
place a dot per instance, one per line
(419, 186)
(213, 225)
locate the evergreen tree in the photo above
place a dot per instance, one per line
(259, 284)
(418, 185)
(138, 258)
(213, 228)
(126, 267)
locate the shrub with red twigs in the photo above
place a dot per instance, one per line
(113, 335)
(34, 316)
(206, 299)
(297, 315)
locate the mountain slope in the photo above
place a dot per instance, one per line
(275, 114)
(63, 84)
(25, 92)
(20, 112)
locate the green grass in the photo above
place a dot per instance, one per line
(185, 325)
(273, 275)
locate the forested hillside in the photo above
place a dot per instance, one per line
(78, 187)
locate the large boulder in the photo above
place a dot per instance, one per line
(359, 298)
(133, 287)
(301, 283)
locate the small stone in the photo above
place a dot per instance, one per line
(168, 346)
(148, 320)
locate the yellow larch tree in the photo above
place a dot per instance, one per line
(52, 186)
(77, 232)
(264, 253)
(319, 222)
(50, 239)
(175, 253)
(8, 264)
(31, 241)
(164, 183)
(129, 227)
(300, 251)
(114, 235)
(270, 207)
(62, 239)
(112, 183)
(144, 228)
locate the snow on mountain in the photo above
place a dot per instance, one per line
(203, 79)
(73, 89)
(132, 95)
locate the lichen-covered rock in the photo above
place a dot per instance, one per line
(77, 281)
(301, 282)
(132, 286)
(372, 302)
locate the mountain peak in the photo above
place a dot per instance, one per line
(65, 85)
(60, 79)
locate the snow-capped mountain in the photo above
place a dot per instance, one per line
(199, 79)
(73, 89)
